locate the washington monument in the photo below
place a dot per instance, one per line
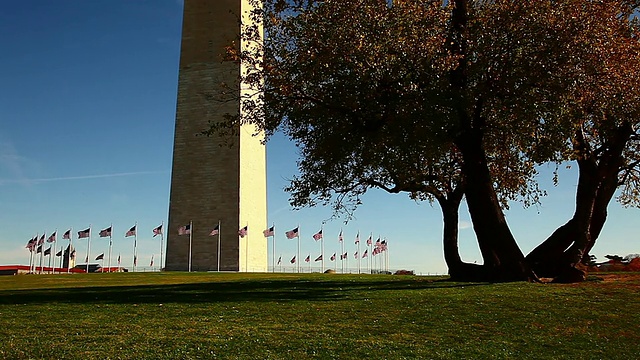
(213, 182)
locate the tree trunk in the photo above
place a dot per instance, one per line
(546, 259)
(502, 256)
(562, 253)
(458, 270)
(499, 250)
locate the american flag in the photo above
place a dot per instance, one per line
(67, 235)
(358, 238)
(41, 241)
(269, 232)
(292, 233)
(118, 259)
(135, 260)
(364, 254)
(308, 258)
(279, 260)
(319, 258)
(355, 255)
(59, 253)
(151, 264)
(52, 237)
(340, 238)
(47, 252)
(105, 232)
(157, 231)
(84, 233)
(333, 257)
(369, 242)
(131, 232)
(39, 249)
(184, 230)
(215, 231)
(243, 232)
(317, 236)
(100, 257)
(30, 244)
(293, 260)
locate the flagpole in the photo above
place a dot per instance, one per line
(35, 260)
(135, 247)
(359, 254)
(273, 247)
(322, 245)
(42, 253)
(299, 259)
(161, 241)
(386, 251)
(246, 253)
(89, 248)
(32, 267)
(342, 251)
(30, 259)
(190, 232)
(218, 252)
(110, 246)
(70, 246)
(55, 248)
(50, 268)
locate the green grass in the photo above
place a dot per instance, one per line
(317, 316)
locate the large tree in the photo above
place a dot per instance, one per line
(606, 105)
(431, 99)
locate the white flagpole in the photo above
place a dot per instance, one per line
(386, 259)
(359, 254)
(161, 241)
(89, 248)
(322, 245)
(41, 254)
(55, 245)
(218, 253)
(135, 248)
(273, 247)
(70, 249)
(50, 256)
(370, 255)
(190, 232)
(342, 252)
(30, 259)
(110, 246)
(246, 253)
(299, 259)
(31, 264)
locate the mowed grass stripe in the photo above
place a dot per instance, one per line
(318, 316)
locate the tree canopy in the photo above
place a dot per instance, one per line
(442, 100)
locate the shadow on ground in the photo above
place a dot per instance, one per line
(230, 291)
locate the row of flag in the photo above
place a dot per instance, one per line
(35, 243)
(291, 234)
(333, 257)
(135, 259)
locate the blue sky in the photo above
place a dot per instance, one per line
(87, 108)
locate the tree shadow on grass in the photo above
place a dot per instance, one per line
(226, 291)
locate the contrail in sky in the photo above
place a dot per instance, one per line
(81, 177)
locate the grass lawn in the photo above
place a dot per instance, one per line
(313, 316)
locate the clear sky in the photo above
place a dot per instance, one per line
(87, 108)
